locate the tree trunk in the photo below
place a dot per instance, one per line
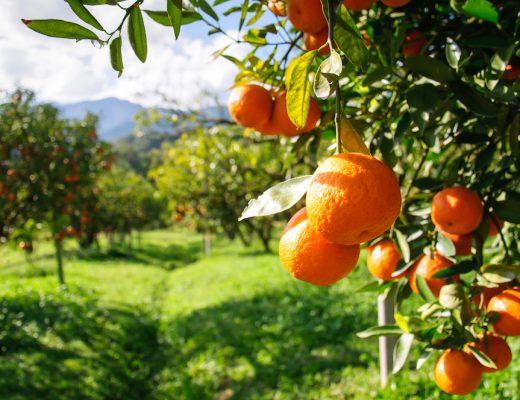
(207, 243)
(59, 259)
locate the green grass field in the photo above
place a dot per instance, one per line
(160, 321)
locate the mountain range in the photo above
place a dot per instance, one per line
(117, 116)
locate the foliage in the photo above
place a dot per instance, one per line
(207, 174)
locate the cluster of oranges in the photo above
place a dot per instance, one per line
(352, 198)
(456, 212)
(253, 106)
(458, 371)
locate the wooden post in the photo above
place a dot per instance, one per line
(59, 259)
(207, 243)
(385, 316)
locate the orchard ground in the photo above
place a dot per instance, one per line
(158, 320)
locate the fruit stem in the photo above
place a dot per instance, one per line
(331, 13)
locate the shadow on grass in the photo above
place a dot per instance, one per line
(275, 342)
(168, 257)
(65, 345)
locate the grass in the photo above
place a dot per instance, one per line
(160, 321)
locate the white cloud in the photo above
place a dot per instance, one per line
(65, 71)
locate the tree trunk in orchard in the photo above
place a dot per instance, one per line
(207, 242)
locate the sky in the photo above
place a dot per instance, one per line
(65, 71)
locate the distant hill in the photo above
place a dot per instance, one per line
(116, 116)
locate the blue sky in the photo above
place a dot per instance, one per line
(65, 71)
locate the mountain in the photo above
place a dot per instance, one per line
(116, 116)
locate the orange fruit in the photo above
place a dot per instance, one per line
(358, 5)
(495, 348)
(485, 295)
(493, 221)
(353, 198)
(277, 7)
(311, 258)
(462, 243)
(427, 267)
(456, 372)
(507, 305)
(268, 129)
(281, 119)
(382, 259)
(250, 105)
(457, 210)
(395, 3)
(414, 42)
(313, 41)
(306, 15)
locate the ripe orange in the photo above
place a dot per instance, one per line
(277, 7)
(462, 243)
(456, 372)
(395, 3)
(313, 41)
(457, 210)
(282, 122)
(485, 295)
(427, 267)
(311, 258)
(306, 15)
(358, 5)
(353, 198)
(250, 105)
(495, 348)
(382, 259)
(268, 129)
(414, 42)
(493, 221)
(507, 305)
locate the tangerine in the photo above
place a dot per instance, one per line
(283, 123)
(414, 42)
(278, 7)
(427, 267)
(353, 198)
(457, 210)
(315, 41)
(306, 15)
(358, 5)
(496, 349)
(382, 260)
(462, 243)
(311, 258)
(395, 3)
(507, 305)
(456, 372)
(250, 105)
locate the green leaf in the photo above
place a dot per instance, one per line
(116, 56)
(299, 88)
(429, 67)
(174, 9)
(445, 246)
(497, 66)
(137, 33)
(402, 242)
(243, 14)
(376, 75)
(401, 350)
(457, 269)
(81, 11)
(482, 9)
(423, 97)
(424, 289)
(500, 273)
(384, 330)
(452, 296)
(425, 355)
(327, 77)
(349, 40)
(453, 53)
(278, 198)
(204, 6)
(482, 358)
(472, 99)
(508, 210)
(162, 18)
(60, 29)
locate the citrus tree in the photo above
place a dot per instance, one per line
(419, 99)
(47, 173)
